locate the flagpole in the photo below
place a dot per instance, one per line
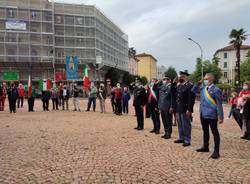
(53, 30)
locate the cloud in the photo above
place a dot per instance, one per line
(162, 27)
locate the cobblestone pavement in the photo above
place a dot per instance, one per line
(89, 147)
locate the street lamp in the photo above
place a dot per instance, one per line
(201, 55)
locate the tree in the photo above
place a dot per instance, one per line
(128, 78)
(144, 80)
(208, 67)
(237, 37)
(171, 72)
(113, 75)
(131, 52)
(245, 70)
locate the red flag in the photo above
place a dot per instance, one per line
(29, 86)
(86, 79)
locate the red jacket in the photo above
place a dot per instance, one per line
(21, 92)
(118, 93)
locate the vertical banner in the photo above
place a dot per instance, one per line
(72, 67)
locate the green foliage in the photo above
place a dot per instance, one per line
(144, 80)
(237, 37)
(128, 78)
(208, 67)
(245, 70)
(113, 75)
(171, 72)
(223, 86)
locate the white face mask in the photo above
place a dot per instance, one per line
(206, 82)
(245, 87)
(164, 82)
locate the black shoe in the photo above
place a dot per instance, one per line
(157, 132)
(248, 138)
(166, 136)
(202, 150)
(152, 131)
(140, 128)
(186, 144)
(244, 136)
(136, 128)
(215, 155)
(87, 111)
(178, 141)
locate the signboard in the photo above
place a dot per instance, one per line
(15, 24)
(10, 76)
(60, 76)
(72, 67)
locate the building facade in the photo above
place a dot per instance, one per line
(227, 64)
(133, 66)
(147, 66)
(161, 71)
(36, 35)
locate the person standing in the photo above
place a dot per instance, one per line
(12, 97)
(31, 99)
(3, 93)
(118, 99)
(140, 100)
(76, 101)
(153, 106)
(125, 100)
(211, 111)
(21, 95)
(92, 96)
(166, 106)
(102, 97)
(244, 101)
(55, 98)
(185, 99)
(45, 99)
(112, 98)
(60, 92)
(65, 97)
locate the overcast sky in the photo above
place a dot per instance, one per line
(161, 27)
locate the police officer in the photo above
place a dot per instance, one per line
(166, 105)
(184, 108)
(140, 100)
(12, 97)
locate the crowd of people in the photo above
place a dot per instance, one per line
(161, 100)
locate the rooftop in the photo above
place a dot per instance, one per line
(231, 47)
(145, 55)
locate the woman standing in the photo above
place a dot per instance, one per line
(102, 97)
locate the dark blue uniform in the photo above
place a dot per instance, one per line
(140, 100)
(184, 102)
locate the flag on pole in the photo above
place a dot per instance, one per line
(29, 86)
(45, 84)
(86, 78)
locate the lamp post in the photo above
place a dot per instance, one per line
(201, 55)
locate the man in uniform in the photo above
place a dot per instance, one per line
(166, 105)
(140, 100)
(184, 108)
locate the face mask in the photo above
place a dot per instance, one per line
(181, 80)
(206, 82)
(245, 87)
(164, 82)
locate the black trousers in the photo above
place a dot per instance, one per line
(125, 107)
(45, 105)
(155, 116)
(55, 103)
(90, 101)
(31, 102)
(213, 123)
(238, 117)
(140, 116)
(20, 102)
(12, 105)
(167, 121)
(118, 106)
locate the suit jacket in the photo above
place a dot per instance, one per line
(166, 97)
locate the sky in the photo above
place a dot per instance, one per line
(162, 27)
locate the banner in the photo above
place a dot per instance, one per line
(10, 76)
(60, 76)
(72, 67)
(15, 24)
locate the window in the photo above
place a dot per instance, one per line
(33, 15)
(10, 13)
(225, 55)
(79, 20)
(225, 74)
(59, 19)
(225, 64)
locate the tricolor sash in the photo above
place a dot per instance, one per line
(209, 99)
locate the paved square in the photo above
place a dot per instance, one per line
(87, 147)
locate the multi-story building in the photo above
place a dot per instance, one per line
(147, 66)
(227, 58)
(133, 66)
(34, 34)
(161, 71)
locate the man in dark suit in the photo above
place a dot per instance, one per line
(140, 100)
(12, 97)
(185, 99)
(166, 105)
